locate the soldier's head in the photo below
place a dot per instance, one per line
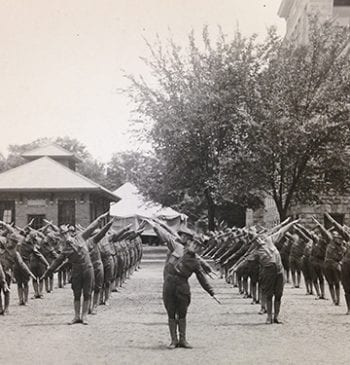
(64, 231)
(185, 234)
(337, 238)
(72, 230)
(195, 245)
(12, 240)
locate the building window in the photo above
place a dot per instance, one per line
(341, 2)
(7, 211)
(338, 217)
(36, 220)
(66, 212)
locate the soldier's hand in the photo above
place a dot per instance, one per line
(216, 299)
(6, 288)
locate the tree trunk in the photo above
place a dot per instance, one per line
(282, 210)
(211, 211)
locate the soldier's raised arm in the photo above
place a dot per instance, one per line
(116, 235)
(325, 233)
(301, 233)
(92, 226)
(276, 237)
(338, 227)
(279, 226)
(98, 237)
(164, 235)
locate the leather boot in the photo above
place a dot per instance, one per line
(331, 290)
(47, 285)
(25, 294)
(269, 311)
(337, 295)
(20, 296)
(95, 303)
(347, 299)
(277, 306)
(36, 289)
(59, 277)
(1, 308)
(106, 292)
(173, 335)
(86, 305)
(182, 330)
(76, 318)
(7, 302)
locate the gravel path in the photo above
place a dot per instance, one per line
(133, 329)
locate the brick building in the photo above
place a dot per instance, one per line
(47, 186)
(296, 13)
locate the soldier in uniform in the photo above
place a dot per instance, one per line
(334, 255)
(3, 287)
(95, 256)
(271, 276)
(9, 258)
(27, 248)
(182, 261)
(77, 253)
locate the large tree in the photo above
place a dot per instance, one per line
(193, 105)
(235, 120)
(297, 128)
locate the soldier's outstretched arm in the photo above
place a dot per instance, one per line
(301, 234)
(338, 227)
(8, 227)
(276, 237)
(51, 225)
(325, 233)
(279, 226)
(203, 281)
(98, 237)
(92, 226)
(23, 265)
(164, 235)
(304, 230)
(117, 235)
(54, 265)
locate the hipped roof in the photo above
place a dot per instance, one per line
(46, 174)
(50, 150)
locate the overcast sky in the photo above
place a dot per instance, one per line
(61, 61)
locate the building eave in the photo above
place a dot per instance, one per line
(97, 190)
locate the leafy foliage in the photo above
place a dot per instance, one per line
(234, 120)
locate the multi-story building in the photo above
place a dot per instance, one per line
(296, 13)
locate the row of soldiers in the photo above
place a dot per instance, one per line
(319, 254)
(96, 260)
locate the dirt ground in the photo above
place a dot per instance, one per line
(133, 329)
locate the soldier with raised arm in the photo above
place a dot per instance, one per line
(182, 261)
(9, 259)
(337, 262)
(75, 250)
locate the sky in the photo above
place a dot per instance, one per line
(62, 62)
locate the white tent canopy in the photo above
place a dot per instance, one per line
(132, 203)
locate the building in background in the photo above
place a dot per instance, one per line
(133, 207)
(296, 13)
(48, 187)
